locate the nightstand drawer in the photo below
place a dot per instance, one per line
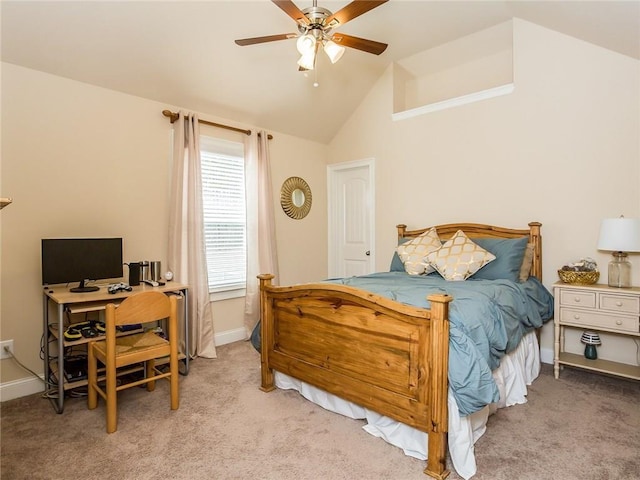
(583, 318)
(577, 298)
(619, 303)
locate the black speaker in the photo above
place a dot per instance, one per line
(134, 273)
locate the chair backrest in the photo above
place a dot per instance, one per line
(141, 307)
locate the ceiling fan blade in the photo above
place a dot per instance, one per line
(269, 38)
(290, 9)
(352, 10)
(363, 44)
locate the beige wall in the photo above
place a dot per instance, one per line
(302, 244)
(80, 160)
(563, 149)
(77, 159)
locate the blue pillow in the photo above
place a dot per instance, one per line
(509, 253)
(396, 263)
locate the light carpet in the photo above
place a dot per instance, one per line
(583, 426)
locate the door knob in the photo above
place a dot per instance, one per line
(367, 253)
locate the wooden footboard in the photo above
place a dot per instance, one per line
(383, 355)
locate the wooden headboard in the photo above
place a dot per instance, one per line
(478, 230)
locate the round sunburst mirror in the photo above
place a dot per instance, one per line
(295, 197)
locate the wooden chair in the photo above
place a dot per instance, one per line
(116, 352)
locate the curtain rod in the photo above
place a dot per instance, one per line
(174, 116)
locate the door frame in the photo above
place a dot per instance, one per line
(333, 229)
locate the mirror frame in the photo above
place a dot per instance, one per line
(289, 186)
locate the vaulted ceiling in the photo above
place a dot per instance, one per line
(183, 52)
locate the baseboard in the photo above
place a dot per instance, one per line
(230, 336)
(546, 355)
(20, 388)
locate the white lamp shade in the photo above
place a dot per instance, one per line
(333, 50)
(306, 44)
(308, 60)
(590, 338)
(620, 235)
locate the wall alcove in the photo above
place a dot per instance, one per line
(473, 68)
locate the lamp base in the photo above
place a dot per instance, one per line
(620, 271)
(590, 352)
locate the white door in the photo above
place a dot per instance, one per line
(351, 218)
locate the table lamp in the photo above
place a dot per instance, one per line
(619, 236)
(590, 339)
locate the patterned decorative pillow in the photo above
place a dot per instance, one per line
(459, 258)
(414, 252)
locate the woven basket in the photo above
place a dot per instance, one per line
(579, 278)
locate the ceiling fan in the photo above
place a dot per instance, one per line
(315, 31)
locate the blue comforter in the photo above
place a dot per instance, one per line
(487, 320)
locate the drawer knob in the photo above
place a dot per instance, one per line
(576, 299)
(618, 304)
(576, 317)
(618, 322)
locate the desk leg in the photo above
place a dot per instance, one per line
(45, 336)
(58, 403)
(60, 375)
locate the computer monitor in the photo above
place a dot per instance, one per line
(67, 260)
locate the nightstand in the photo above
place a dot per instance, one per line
(599, 308)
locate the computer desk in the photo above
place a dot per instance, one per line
(59, 300)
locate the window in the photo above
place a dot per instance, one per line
(224, 212)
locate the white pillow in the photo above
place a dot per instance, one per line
(414, 252)
(459, 258)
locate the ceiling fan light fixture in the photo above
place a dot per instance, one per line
(306, 43)
(308, 60)
(314, 26)
(333, 50)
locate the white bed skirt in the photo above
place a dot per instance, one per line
(517, 370)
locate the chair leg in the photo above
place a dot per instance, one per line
(173, 382)
(112, 405)
(92, 378)
(150, 372)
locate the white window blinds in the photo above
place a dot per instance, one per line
(224, 212)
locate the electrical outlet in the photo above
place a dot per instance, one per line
(6, 344)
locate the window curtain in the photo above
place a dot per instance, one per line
(187, 258)
(262, 255)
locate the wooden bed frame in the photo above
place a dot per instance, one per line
(380, 354)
